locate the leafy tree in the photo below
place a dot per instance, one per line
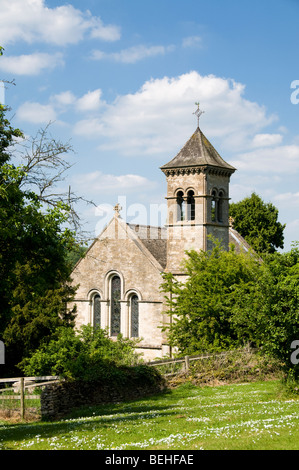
(230, 299)
(201, 308)
(78, 251)
(268, 311)
(34, 304)
(34, 240)
(258, 223)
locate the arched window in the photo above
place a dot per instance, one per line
(180, 206)
(134, 312)
(220, 207)
(191, 205)
(96, 310)
(115, 305)
(214, 206)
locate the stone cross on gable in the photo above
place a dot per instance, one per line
(117, 208)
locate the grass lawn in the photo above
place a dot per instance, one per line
(241, 416)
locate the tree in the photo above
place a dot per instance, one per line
(268, 310)
(201, 308)
(258, 223)
(230, 299)
(34, 241)
(44, 162)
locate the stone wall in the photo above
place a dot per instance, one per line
(58, 400)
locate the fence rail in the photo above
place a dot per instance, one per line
(185, 361)
(21, 384)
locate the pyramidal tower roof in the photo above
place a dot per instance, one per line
(198, 152)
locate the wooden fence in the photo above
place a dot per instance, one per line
(167, 367)
(171, 367)
(19, 387)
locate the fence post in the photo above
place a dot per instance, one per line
(22, 392)
(186, 363)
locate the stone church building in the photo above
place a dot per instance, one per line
(120, 276)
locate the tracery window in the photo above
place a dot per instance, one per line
(96, 310)
(134, 307)
(191, 205)
(115, 305)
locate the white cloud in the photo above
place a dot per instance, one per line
(288, 199)
(36, 113)
(97, 182)
(59, 104)
(106, 33)
(281, 159)
(192, 41)
(158, 117)
(32, 64)
(132, 54)
(32, 20)
(63, 100)
(91, 101)
(266, 140)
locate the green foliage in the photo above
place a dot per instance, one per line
(7, 137)
(230, 299)
(258, 223)
(270, 309)
(34, 269)
(201, 308)
(87, 354)
(75, 254)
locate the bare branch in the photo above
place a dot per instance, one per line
(45, 165)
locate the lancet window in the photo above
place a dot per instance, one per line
(217, 202)
(115, 305)
(220, 206)
(180, 206)
(214, 206)
(96, 310)
(134, 307)
(191, 205)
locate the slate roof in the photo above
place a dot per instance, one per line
(155, 240)
(198, 151)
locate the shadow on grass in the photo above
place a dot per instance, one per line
(103, 416)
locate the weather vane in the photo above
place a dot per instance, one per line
(198, 113)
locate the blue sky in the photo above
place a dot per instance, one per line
(119, 79)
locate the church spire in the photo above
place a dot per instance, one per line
(197, 153)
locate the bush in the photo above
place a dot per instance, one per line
(86, 354)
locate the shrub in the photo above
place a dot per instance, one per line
(85, 354)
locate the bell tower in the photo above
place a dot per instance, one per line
(197, 199)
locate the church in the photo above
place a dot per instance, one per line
(120, 276)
